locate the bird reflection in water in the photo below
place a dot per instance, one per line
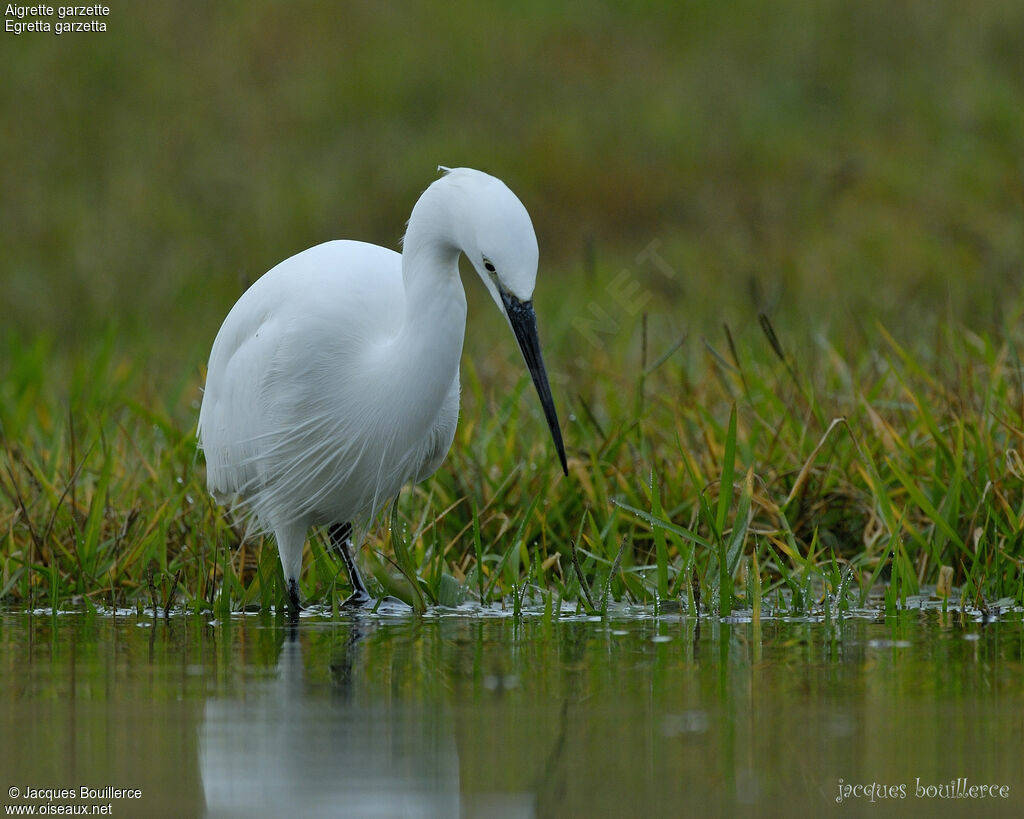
(286, 746)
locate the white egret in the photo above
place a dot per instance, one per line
(334, 379)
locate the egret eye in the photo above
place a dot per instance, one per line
(488, 266)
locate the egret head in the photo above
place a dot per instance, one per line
(495, 233)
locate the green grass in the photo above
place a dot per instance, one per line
(779, 296)
(754, 474)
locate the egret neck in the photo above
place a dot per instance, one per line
(423, 358)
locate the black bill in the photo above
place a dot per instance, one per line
(524, 324)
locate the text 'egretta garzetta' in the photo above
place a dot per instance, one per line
(334, 379)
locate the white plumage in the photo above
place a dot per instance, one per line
(334, 379)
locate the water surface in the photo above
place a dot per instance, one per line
(475, 714)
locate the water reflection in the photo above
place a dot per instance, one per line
(462, 714)
(292, 747)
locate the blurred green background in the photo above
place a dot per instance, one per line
(827, 162)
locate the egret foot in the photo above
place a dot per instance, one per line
(359, 599)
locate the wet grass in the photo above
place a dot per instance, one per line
(742, 475)
(779, 297)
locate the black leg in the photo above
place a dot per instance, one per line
(341, 541)
(293, 597)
